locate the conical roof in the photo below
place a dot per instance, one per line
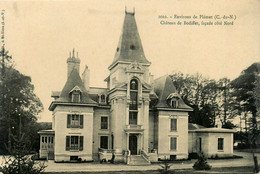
(130, 48)
(164, 87)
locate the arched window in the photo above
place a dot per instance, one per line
(174, 103)
(133, 108)
(134, 84)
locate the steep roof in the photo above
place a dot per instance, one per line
(130, 48)
(73, 81)
(163, 87)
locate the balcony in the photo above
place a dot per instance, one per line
(134, 128)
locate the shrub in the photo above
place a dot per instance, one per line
(201, 163)
(165, 167)
(19, 162)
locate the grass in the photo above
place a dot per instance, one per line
(226, 170)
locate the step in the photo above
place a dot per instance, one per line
(138, 160)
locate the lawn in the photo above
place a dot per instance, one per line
(226, 170)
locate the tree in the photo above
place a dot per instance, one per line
(19, 104)
(243, 91)
(201, 94)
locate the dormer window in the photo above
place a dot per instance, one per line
(174, 103)
(103, 98)
(75, 94)
(173, 100)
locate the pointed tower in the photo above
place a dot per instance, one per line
(129, 88)
(130, 47)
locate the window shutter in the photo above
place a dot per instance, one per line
(68, 120)
(81, 121)
(67, 143)
(81, 143)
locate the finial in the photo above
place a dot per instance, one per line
(73, 53)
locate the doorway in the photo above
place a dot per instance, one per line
(133, 144)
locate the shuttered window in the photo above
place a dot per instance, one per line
(74, 143)
(173, 143)
(75, 121)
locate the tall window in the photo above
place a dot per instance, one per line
(74, 143)
(173, 143)
(104, 142)
(74, 121)
(133, 108)
(173, 124)
(104, 122)
(220, 143)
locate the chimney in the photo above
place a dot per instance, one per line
(72, 62)
(85, 78)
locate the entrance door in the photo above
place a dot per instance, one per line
(133, 144)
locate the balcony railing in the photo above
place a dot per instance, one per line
(134, 127)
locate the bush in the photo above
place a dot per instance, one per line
(165, 168)
(202, 163)
(19, 162)
(21, 165)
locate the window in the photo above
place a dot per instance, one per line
(104, 142)
(74, 143)
(133, 118)
(174, 103)
(133, 107)
(51, 139)
(132, 47)
(173, 143)
(76, 96)
(74, 121)
(220, 143)
(103, 98)
(104, 122)
(42, 139)
(45, 139)
(134, 84)
(173, 124)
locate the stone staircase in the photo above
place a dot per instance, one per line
(138, 160)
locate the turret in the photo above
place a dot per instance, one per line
(73, 62)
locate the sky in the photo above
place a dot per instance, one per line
(40, 35)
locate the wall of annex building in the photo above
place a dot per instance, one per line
(61, 131)
(194, 144)
(227, 144)
(165, 134)
(99, 131)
